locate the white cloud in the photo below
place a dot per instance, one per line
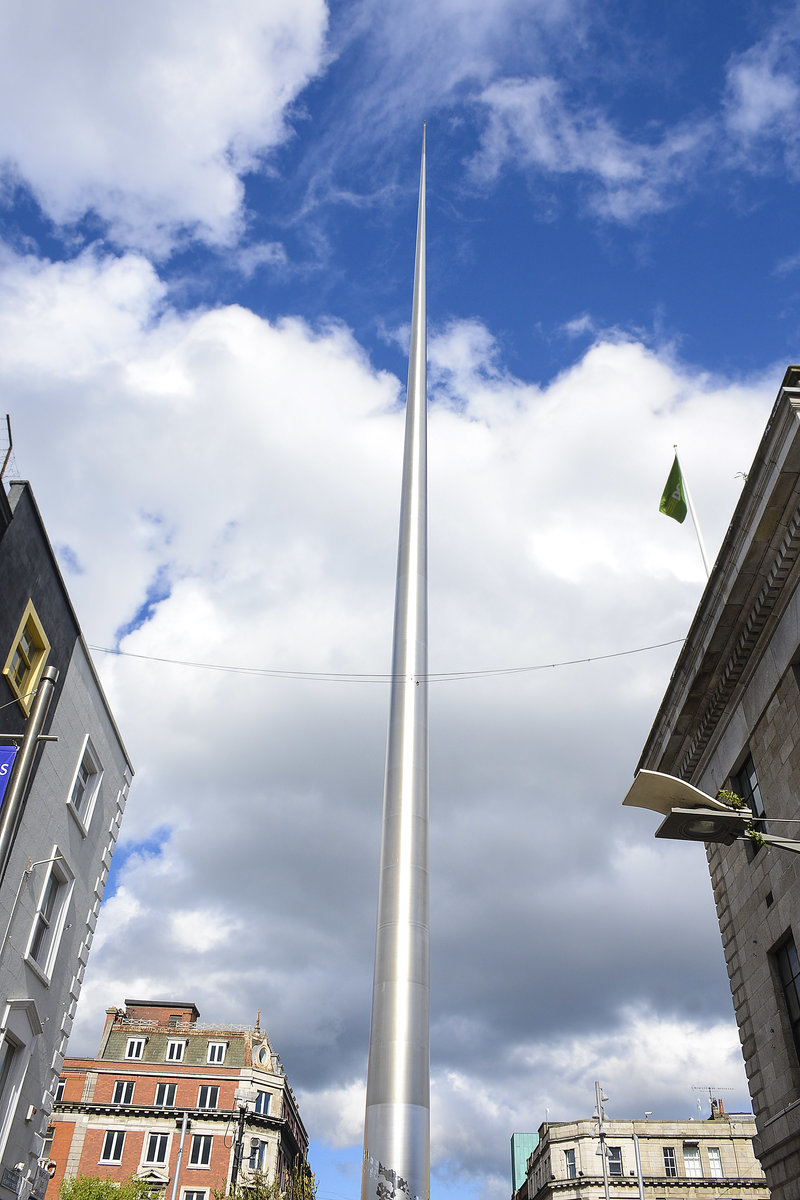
(247, 474)
(532, 124)
(148, 114)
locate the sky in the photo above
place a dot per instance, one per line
(207, 219)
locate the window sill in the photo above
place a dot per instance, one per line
(37, 970)
(73, 812)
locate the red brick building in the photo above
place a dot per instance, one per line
(122, 1113)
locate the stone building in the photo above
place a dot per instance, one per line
(731, 718)
(59, 821)
(653, 1160)
(122, 1113)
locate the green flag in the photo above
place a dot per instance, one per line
(673, 502)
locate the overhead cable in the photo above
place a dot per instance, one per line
(364, 677)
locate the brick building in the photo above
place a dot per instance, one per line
(59, 823)
(731, 718)
(121, 1113)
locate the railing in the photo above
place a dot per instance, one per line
(189, 1026)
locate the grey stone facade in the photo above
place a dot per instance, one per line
(733, 703)
(690, 1160)
(51, 889)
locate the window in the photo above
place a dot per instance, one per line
(572, 1170)
(85, 786)
(8, 1052)
(50, 916)
(208, 1096)
(745, 784)
(47, 1141)
(123, 1091)
(715, 1162)
(691, 1161)
(156, 1151)
(670, 1163)
(193, 1195)
(262, 1103)
(789, 973)
(134, 1048)
(165, 1095)
(200, 1153)
(615, 1160)
(112, 1146)
(257, 1150)
(60, 1090)
(27, 658)
(175, 1051)
(216, 1052)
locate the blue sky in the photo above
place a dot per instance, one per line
(206, 251)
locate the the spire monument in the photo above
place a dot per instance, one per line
(397, 1123)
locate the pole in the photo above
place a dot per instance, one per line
(690, 506)
(601, 1133)
(15, 796)
(638, 1164)
(397, 1118)
(238, 1148)
(179, 1159)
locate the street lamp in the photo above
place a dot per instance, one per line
(692, 816)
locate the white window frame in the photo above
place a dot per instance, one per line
(116, 1148)
(691, 1159)
(123, 1088)
(51, 917)
(263, 1101)
(195, 1193)
(162, 1103)
(208, 1088)
(206, 1141)
(163, 1143)
(670, 1162)
(176, 1048)
(135, 1044)
(615, 1160)
(20, 1025)
(217, 1052)
(82, 812)
(570, 1165)
(715, 1163)
(59, 1094)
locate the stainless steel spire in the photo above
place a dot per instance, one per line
(397, 1125)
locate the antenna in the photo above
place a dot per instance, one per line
(716, 1104)
(10, 447)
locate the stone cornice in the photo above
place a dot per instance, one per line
(746, 592)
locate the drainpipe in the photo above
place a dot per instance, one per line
(638, 1164)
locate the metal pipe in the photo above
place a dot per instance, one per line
(179, 1159)
(397, 1119)
(638, 1157)
(15, 796)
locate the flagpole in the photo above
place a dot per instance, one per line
(692, 513)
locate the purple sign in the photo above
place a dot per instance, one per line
(7, 756)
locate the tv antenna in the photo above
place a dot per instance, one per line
(713, 1098)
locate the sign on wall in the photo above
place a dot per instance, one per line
(7, 756)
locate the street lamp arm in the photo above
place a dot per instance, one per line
(693, 816)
